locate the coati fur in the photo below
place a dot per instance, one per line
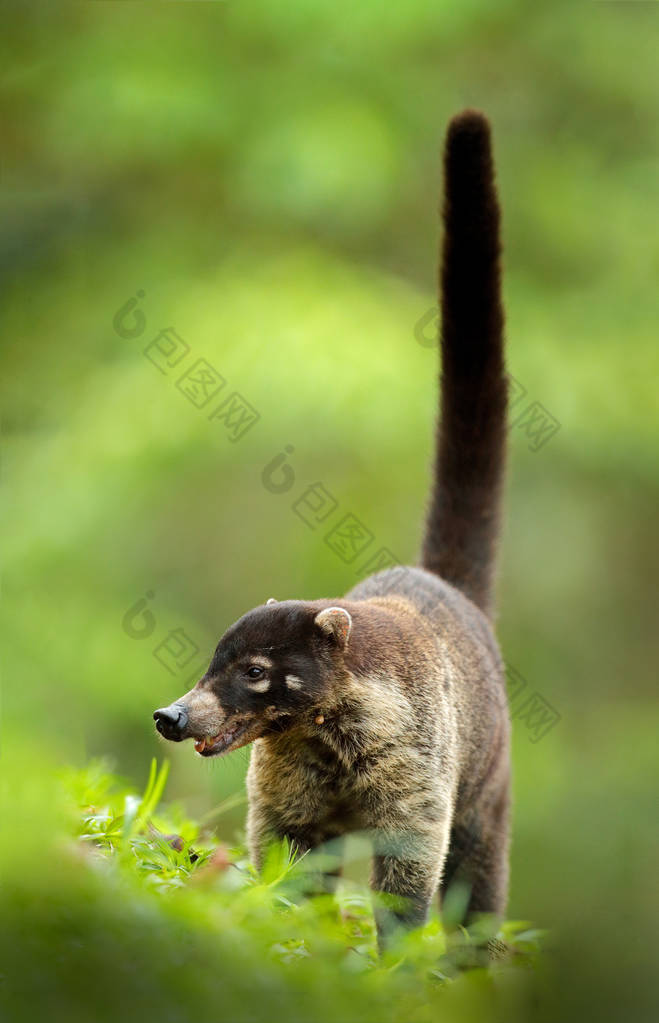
(384, 711)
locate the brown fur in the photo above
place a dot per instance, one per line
(463, 520)
(384, 712)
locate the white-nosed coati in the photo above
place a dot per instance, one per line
(385, 712)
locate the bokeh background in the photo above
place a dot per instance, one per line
(268, 176)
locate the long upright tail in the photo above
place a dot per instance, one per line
(463, 518)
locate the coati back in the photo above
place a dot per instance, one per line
(384, 711)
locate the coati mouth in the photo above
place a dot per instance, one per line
(229, 739)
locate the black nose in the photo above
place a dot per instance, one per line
(170, 721)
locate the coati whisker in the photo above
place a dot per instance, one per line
(403, 673)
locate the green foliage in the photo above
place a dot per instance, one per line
(137, 869)
(268, 174)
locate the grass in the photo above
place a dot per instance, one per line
(150, 916)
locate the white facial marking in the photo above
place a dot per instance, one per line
(260, 686)
(263, 662)
(271, 600)
(293, 682)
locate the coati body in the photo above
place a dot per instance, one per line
(385, 711)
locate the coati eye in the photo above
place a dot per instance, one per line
(255, 671)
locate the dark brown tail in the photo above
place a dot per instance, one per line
(463, 519)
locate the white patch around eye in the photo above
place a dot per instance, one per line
(293, 682)
(260, 686)
(261, 661)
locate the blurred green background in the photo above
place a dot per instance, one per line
(268, 175)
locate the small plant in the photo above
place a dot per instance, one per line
(164, 850)
(118, 824)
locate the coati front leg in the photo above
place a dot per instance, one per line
(407, 866)
(265, 826)
(319, 881)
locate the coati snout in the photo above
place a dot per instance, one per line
(171, 721)
(278, 664)
(385, 711)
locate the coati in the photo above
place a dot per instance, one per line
(384, 711)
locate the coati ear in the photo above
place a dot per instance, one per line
(336, 623)
(270, 600)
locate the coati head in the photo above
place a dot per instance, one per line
(275, 665)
